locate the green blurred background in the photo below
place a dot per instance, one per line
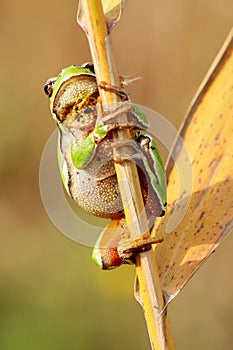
(52, 297)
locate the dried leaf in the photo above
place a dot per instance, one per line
(208, 135)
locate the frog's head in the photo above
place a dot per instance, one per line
(74, 88)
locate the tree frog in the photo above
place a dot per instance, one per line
(85, 155)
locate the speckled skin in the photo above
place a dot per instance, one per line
(85, 156)
(95, 187)
(74, 98)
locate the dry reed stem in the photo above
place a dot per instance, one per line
(150, 289)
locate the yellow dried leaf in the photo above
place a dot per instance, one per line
(208, 136)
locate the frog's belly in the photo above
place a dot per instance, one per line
(98, 197)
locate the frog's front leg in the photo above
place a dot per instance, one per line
(82, 153)
(111, 114)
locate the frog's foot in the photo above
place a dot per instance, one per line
(119, 91)
(127, 249)
(113, 114)
(129, 149)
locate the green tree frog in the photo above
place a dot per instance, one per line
(85, 155)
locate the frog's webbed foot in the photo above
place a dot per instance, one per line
(119, 91)
(131, 150)
(128, 248)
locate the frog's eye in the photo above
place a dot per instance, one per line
(90, 66)
(48, 88)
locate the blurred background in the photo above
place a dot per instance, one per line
(52, 297)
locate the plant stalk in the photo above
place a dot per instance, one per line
(150, 288)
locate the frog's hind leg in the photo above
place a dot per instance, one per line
(105, 253)
(114, 246)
